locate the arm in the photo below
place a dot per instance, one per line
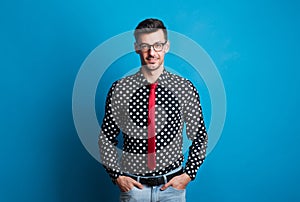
(196, 132)
(108, 146)
(107, 139)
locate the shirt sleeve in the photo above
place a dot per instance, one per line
(108, 139)
(196, 131)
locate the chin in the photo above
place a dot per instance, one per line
(152, 66)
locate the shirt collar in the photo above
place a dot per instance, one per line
(162, 79)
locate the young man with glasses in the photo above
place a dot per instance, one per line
(150, 108)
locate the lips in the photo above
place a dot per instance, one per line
(152, 60)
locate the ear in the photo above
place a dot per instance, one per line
(136, 48)
(167, 46)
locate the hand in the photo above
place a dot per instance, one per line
(179, 182)
(127, 183)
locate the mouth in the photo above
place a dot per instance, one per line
(151, 60)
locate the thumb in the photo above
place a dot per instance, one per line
(138, 185)
(165, 186)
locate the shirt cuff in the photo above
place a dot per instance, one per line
(191, 173)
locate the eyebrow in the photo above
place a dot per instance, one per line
(150, 44)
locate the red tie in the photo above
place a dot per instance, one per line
(151, 128)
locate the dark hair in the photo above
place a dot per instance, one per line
(148, 26)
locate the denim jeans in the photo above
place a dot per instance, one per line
(153, 194)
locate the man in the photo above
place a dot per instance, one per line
(150, 109)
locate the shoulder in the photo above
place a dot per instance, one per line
(123, 81)
(129, 79)
(126, 85)
(181, 81)
(183, 87)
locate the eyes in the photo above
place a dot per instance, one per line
(144, 47)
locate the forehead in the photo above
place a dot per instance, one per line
(153, 37)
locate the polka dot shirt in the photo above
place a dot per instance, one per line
(126, 113)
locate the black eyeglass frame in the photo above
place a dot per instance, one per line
(153, 45)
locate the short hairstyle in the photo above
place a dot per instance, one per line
(148, 26)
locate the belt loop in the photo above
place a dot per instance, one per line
(138, 178)
(165, 179)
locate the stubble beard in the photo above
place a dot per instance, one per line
(153, 67)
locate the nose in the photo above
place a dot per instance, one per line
(151, 51)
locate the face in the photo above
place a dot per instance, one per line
(151, 59)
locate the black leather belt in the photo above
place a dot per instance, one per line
(155, 181)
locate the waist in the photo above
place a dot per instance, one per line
(156, 180)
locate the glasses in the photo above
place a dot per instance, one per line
(144, 47)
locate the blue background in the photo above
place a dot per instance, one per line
(254, 45)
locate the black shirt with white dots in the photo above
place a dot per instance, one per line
(177, 103)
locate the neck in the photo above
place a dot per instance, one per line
(152, 75)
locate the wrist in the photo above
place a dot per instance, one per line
(188, 178)
(115, 179)
(119, 178)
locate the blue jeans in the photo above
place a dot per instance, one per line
(153, 194)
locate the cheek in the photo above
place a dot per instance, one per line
(144, 55)
(161, 56)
